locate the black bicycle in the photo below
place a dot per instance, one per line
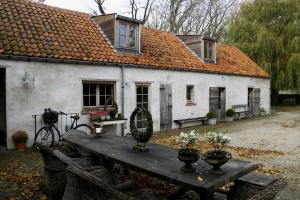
(48, 134)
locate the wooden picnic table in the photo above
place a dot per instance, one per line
(162, 162)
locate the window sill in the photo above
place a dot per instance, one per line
(190, 104)
(92, 111)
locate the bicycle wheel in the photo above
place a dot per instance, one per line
(44, 136)
(85, 128)
(56, 133)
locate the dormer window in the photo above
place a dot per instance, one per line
(122, 32)
(127, 35)
(208, 50)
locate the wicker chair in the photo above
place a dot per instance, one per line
(54, 179)
(256, 187)
(97, 183)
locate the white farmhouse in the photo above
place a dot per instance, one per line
(75, 62)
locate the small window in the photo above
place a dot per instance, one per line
(98, 94)
(142, 101)
(190, 93)
(208, 50)
(127, 35)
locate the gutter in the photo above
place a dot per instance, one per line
(97, 63)
(123, 96)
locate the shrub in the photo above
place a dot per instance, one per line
(229, 113)
(20, 136)
(211, 115)
(262, 110)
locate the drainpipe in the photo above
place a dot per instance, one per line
(122, 95)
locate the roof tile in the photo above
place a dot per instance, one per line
(38, 30)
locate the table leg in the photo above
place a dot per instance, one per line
(207, 195)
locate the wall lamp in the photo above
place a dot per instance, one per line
(28, 80)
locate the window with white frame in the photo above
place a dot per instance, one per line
(99, 94)
(142, 101)
(189, 93)
(127, 35)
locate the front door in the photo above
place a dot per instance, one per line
(165, 107)
(251, 101)
(217, 102)
(2, 107)
(256, 101)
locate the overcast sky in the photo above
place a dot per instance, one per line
(111, 6)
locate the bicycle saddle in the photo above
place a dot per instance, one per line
(75, 117)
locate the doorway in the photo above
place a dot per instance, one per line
(165, 107)
(2, 107)
(217, 102)
(251, 101)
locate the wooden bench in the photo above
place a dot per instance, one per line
(239, 110)
(256, 186)
(180, 122)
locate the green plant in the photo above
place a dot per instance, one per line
(229, 113)
(211, 115)
(262, 110)
(20, 136)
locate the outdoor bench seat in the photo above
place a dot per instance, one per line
(97, 183)
(239, 110)
(254, 186)
(180, 122)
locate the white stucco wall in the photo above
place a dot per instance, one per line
(59, 86)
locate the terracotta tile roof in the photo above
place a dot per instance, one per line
(37, 30)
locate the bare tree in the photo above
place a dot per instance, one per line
(141, 10)
(100, 7)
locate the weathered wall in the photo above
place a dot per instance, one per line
(59, 86)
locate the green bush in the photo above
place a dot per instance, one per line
(20, 136)
(229, 113)
(211, 115)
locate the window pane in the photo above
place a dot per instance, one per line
(145, 90)
(145, 98)
(139, 105)
(86, 89)
(93, 100)
(139, 89)
(122, 41)
(102, 100)
(102, 89)
(139, 124)
(139, 98)
(108, 100)
(86, 101)
(122, 30)
(108, 89)
(132, 36)
(92, 89)
(145, 106)
(139, 116)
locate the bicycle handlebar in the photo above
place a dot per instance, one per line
(62, 113)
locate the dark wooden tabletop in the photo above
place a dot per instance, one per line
(161, 162)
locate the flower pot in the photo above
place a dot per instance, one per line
(229, 119)
(217, 158)
(212, 121)
(188, 157)
(20, 146)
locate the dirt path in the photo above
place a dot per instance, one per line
(280, 132)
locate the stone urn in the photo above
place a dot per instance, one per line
(217, 158)
(188, 156)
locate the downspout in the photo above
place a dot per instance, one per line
(122, 95)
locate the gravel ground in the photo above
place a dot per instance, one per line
(281, 132)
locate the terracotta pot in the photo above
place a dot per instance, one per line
(21, 146)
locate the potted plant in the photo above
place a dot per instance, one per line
(262, 112)
(212, 118)
(217, 157)
(229, 115)
(186, 153)
(20, 139)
